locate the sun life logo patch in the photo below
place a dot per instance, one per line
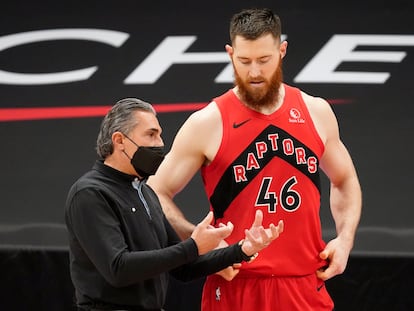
(295, 116)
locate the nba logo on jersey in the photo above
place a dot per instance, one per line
(218, 294)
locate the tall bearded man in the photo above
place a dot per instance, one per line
(261, 146)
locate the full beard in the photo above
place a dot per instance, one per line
(265, 97)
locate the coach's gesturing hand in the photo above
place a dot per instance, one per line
(208, 237)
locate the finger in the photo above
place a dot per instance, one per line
(258, 219)
(230, 225)
(228, 273)
(281, 226)
(324, 254)
(266, 239)
(230, 276)
(253, 240)
(235, 272)
(276, 231)
(325, 274)
(224, 232)
(321, 275)
(321, 272)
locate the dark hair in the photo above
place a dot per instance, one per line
(254, 23)
(119, 119)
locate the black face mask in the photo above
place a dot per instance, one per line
(146, 160)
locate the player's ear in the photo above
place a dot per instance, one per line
(229, 50)
(283, 48)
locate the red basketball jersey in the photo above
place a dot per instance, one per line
(269, 162)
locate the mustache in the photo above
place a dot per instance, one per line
(256, 80)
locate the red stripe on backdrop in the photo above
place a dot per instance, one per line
(46, 113)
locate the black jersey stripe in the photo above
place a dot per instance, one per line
(227, 189)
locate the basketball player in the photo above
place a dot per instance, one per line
(261, 146)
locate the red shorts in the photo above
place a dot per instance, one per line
(265, 294)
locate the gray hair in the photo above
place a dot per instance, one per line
(119, 119)
(254, 23)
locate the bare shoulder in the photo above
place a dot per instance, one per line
(202, 132)
(203, 124)
(322, 115)
(205, 116)
(316, 105)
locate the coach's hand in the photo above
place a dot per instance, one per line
(207, 237)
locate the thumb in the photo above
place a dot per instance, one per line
(324, 254)
(207, 220)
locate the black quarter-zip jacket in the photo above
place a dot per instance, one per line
(120, 253)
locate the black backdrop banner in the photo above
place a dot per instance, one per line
(63, 65)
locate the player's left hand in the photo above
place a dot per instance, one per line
(336, 254)
(230, 272)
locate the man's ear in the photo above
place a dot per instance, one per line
(229, 50)
(283, 48)
(118, 140)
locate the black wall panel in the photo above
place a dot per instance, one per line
(48, 125)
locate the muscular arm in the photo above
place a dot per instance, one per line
(194, 146)
(345, 194)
